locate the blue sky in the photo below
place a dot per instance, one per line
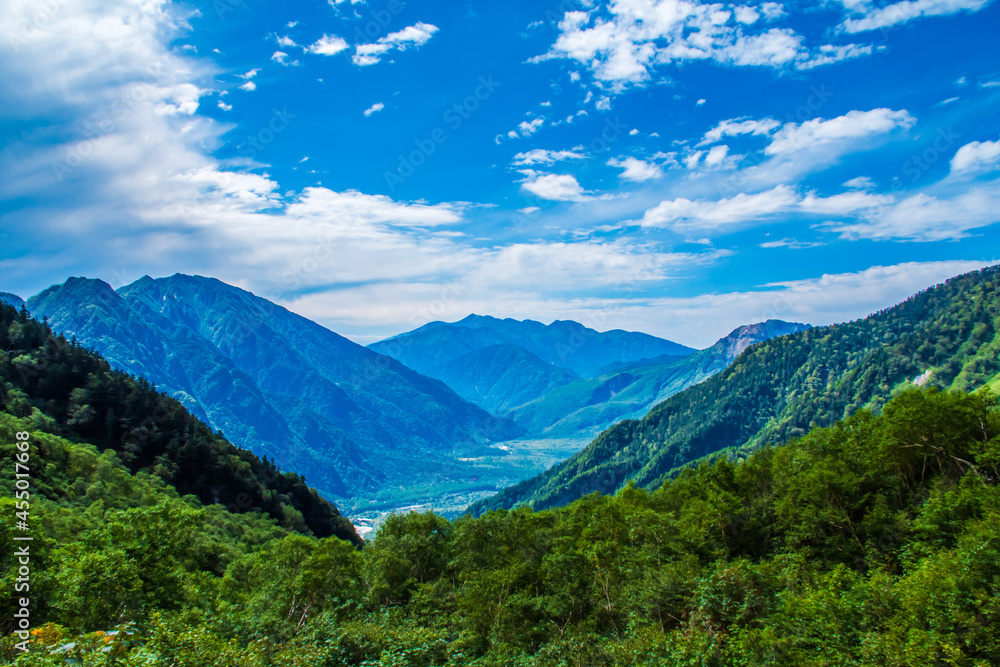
(673, 167)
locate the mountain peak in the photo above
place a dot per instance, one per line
(11, 299)
(746, 335)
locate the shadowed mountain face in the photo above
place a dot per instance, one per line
(274, 382)
(501, 364)
(945, 336)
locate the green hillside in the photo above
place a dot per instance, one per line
(63, 389)
(945, 336)
(871, 543)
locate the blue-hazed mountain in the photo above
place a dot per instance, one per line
(11, 299)
(274, 382)
(588, 406)
(476, 356)
(500, 377)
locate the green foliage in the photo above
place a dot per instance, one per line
(872, 542)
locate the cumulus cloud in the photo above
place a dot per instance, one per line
(636, 170)
(328, 45)
(977, 156)
(375, 108)
(553, 187)
(627, 42)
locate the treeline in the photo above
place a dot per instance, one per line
(782, 388)
(67, 390)
(873, 542)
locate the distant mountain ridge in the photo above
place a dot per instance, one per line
(564, 343)
(274, 382)
(501, 364)
(590, 405)
(946, 336)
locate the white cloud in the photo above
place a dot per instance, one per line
(635, 170)
(735, 127)
(546, 157)
(414, 35)
(977, 156)
(716, 157)
(719, 216)
(772, 10)
(249, 75)
(328, 45)
(286, 41)
(224, 106)
(249, 86)
(410, 36)
(789, 243)
(700, 102)
(852, 126)
(686, 216)
(925, 217)
(870, 17)
(774, 48)
(859, 183)
(553, 187)
(842, 204)
(279, 57)
(828, 54)
(375, 108)
(747, 15)
(638, 36)
(528, 128)
(369, 54)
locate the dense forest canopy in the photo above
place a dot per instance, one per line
(873, 542)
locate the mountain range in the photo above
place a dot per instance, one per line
(564, 380)
(564, 344)
(369, 429)
(945, 336)
(276, 383)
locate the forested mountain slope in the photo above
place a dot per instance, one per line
(944, 336)
(588, 406)
(59, 387)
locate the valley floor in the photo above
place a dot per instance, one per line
(514, 461)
